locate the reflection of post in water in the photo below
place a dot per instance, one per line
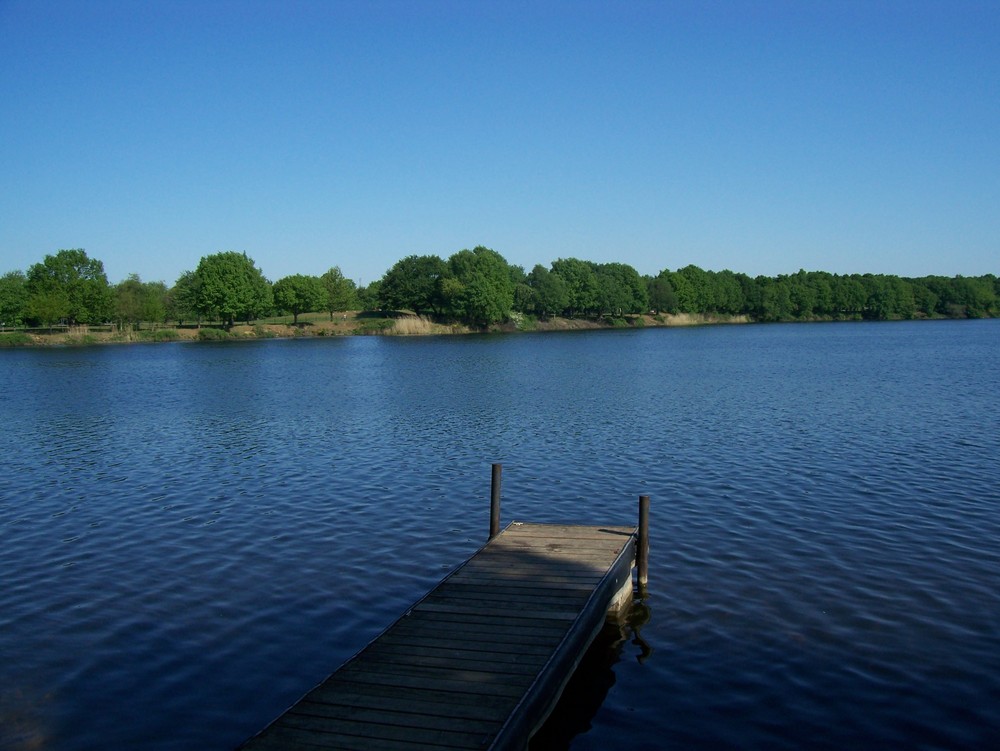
(638, 616)
(594, 676)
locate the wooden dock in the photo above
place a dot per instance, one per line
(481, 660)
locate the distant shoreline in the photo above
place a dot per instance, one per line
(358, 324)
(349, 324)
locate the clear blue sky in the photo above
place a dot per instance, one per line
(763, 137)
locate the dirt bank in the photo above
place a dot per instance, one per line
(343, 324)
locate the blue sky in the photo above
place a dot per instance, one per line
(762, 137)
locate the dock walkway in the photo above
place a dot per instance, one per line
(480, 661)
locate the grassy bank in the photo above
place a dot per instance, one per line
(343, 324)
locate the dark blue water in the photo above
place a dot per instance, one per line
(192, 535)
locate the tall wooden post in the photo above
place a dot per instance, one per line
(642, 545)
(495, 501)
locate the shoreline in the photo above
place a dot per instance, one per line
(359, 324)
(349, 324)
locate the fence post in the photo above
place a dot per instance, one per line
(495, 501)
(642, 545)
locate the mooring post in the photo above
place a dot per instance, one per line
(495, 501)
(642, 545)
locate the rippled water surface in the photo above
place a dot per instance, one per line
(192, 535)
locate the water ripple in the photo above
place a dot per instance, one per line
(181, 562)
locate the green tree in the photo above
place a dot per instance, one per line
(486, 294)
(300, 293)
(684, 292)
(582, 286)
(182, 298)
(154, 302)
(700, 290)
(924, 299)
(70, 278)
(661, 293)
(975, 294)
(727, 292)
(751, 293)
(801, 294)
(551, 293)
(48, 307)
(449, 294)
(889, 297)
(412, 284)
(13, 298)
(369, 296)
(620, 289)
(137, 301)
(849, 296)
(128, 301)
(776, 299)
(341, 293)
(231, 287)
(525, 298)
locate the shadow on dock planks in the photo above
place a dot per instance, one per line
(480, 661)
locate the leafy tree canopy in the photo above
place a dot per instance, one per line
(137, 301)
(551, 292)
(620, 289)
(484, 293)
(581, 284)
(182, 299)
(231, 287)
(13, 298)
(412, 284)
(69, 285)
(299, 294)
(340, 293)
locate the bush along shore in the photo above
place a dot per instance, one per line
(344, 324)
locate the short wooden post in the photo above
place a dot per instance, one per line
(495, 501)
(642, 545)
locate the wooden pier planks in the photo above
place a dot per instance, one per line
(477, 663)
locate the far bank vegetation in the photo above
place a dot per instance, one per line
(227, 296)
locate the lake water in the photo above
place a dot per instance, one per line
(192, 535)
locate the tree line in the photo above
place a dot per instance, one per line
(477, 287)
(72, 289)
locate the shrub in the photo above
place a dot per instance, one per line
(213, 335)
(523, 321)
(375, 326)
(15, 339)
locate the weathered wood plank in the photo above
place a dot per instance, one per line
(286, 736)
(458, 651)
(396, 715)
(542, 586)
(409, 681)
(438, 629)
(506, 608)
(440, 736)
(452, 658)
(479, 660)
(348, 693)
